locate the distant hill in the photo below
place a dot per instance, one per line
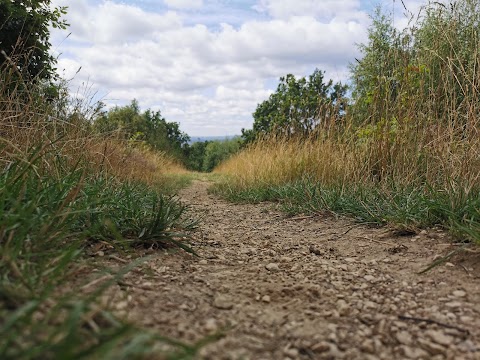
(194, 139)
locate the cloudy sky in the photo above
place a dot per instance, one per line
(207, 63)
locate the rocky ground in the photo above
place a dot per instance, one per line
(308, 288)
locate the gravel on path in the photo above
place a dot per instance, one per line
(309, 288)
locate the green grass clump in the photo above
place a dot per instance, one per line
(136, 212)
(46, 220)
(64, 188)
(404, 208)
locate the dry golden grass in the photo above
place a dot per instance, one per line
(131, 163)
(432, 155)
(427, 134)
(276, 161)
(27, 122)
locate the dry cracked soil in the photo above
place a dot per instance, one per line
(317, 287)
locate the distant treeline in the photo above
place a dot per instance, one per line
(150, 130)
(205, 156)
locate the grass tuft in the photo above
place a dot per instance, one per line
(63, 188)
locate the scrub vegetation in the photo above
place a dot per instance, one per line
(404, 150)
(68, 186)
(77, 180)
(205, 156)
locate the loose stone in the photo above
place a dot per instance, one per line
(454, 304)
(272, 267)
(321, 347)
(431, 347)
(211, 325)
(222, 302)
(439, 337)
(342, 307)
(459, 293)
(368, 346)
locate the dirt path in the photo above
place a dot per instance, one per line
(309, 288)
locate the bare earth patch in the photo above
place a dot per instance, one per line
(308, 288)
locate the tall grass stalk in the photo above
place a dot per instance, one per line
(405, 152)
(62, 188)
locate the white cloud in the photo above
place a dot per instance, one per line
(184, 4)
(209, 79)
(111, 23)
(324, 9)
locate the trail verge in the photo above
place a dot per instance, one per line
(308, 288)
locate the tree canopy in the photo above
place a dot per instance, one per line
(148, 127)
(297, 107)
(434, 63)
(25, 36)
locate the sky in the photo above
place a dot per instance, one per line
(206, 64)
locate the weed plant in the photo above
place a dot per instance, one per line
(405, 152)
(61, 189)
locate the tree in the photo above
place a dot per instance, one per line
(218, 151)
(25, 36)
(177, 139)
(298, 106)
(427, 72)
(148, 127)
(375, 77)
(195, 153)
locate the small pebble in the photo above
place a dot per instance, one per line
(321, 347)
(211, 325)
(439, 337)
(184, 307)
(122, 305)
(222, 302)
(404, 337)
(431, 347)
(342, 307)
(459, 293)
(454, 304)
(272, 267)
(292, 353)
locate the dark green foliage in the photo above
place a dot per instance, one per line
(205, 156)
(298, 107)
(133, 211)
(25, 35)
(218, 151)
(147, 127)
(195, 154)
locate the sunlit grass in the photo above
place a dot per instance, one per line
(405, 151)
(62, 189)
